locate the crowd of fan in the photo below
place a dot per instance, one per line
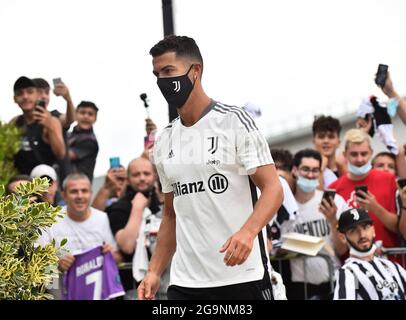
(125, 213)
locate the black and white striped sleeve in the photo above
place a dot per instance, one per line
(345, 288)
(252, 147)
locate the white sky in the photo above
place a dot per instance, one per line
(291, 57)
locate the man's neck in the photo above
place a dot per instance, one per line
(303, 197)
(367, 258)
(353, 177)
(192, 111)
(331, 163)
(78, 217)
(28, 116)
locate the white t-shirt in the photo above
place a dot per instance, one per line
(81, 236)
(309, 220)
(329, 177)
(205, 166)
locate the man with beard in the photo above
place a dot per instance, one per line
(126, 215)
(379, 199)
(365, 276)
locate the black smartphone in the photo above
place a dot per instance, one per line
(381, 75)
(40, 103)
(362, 188)
(115, 162)
(401, 183)
(329, 193)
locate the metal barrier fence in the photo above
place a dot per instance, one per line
(291, 255)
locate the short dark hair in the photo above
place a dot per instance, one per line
(183, 47)
(41, 83)
(18, 177)
(324, 123)
(87, 104)
(284, 157)
(306, 153)
(383, 154)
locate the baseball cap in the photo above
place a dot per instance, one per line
(23, 82)
(44, 170)
(351, 218)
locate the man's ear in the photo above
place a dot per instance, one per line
(294, 171)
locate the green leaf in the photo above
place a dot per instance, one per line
(2, 190)
(63, 242)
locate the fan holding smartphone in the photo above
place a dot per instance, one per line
(150, 126)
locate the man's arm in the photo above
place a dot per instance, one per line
(165, 249)
(69, 117)
(402, 221)
(52, 133)
(239, 245)
(127, 237)
(390, 91)
(389, 220)
(330, 212)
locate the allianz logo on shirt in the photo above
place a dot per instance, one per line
(217, 184)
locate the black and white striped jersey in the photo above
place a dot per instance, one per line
(206, 166)
(379, 279)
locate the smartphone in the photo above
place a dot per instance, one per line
(401, 183)
(40, 103)
(381, 75)
(115, 162)
(57, 81)
(362, 188)
(329, 193)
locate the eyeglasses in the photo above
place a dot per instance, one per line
(307, 170)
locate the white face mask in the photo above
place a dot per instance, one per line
(307, 185)
(359, 254)
(359, 171)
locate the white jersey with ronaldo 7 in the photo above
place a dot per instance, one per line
(207, 168)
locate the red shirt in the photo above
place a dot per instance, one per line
(383, 186)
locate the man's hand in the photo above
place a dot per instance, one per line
(107, 248)
(237, 247)
(148, 286)
(62, 90)
(112, 179)
(388, 88)
(43, 117)
(364, 124)
(149, 126)
(329, 211)
(66, 262)
(368, 203)
(140, 202)
(403, 196)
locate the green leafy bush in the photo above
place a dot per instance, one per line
(26, 269)
(10, 141)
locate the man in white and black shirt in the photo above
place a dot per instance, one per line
(365, 276)
(209, 161)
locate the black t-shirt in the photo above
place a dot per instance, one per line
(34, 150)
(118, 214)
(84, 144)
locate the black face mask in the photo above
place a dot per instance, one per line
(176, 90)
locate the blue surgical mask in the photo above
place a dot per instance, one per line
(392, 106)
(359, 171)
(307, 185)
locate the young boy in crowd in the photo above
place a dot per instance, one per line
(82, 142)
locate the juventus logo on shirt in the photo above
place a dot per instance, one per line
(214, 144)
(177, 86)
